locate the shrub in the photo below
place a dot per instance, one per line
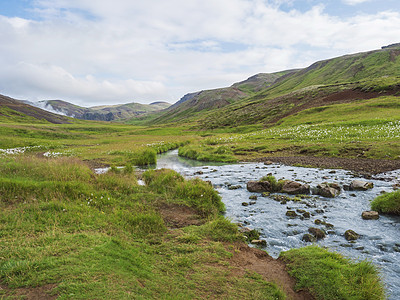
(387, 203)
(144, 158)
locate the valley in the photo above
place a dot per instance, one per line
(138, 231)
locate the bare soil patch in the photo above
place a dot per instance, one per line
(272, 270)
(178, 216)
(34, 293)
(365, 167)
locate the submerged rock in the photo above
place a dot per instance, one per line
(291, 213)
(259, 186)
(308, 238)
(317, 233)
(370, 215)
(329, 190)
(351, 235)
(294, 188)
(360, 185)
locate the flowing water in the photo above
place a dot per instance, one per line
(379, 239)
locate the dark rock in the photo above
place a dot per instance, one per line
(291, 213)
(234, 187)
(294, 188)
(308, 238)
(317, 222)
(199, 173)
(252, 202)
(245, 204)
(253, 197)
(329, 190)
(318, 233)
(351, 235)
(359, 185)
(306, 215)
(259, 186)
(370, 215)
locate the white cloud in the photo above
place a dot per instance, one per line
(354, 2)
(98, 52)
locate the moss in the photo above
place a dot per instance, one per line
(387, 203)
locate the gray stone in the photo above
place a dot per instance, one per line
(370, 215)
(294, 188)
(329, 190)
(360, 185)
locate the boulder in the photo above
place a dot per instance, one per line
(329, 190)
(318, 233)
(360, 185)
(294, 188)
(253, 197)
(291, 213)
(351, 235)
(259, 186)
(308, 238)
(370, 215)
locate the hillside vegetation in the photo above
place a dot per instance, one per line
(344, 79)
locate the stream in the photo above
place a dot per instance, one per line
(379, 239)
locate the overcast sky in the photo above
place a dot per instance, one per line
(92, 52)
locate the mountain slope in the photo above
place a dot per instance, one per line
(105, 112)
(12, 110)
(267, 98)
(196, 104)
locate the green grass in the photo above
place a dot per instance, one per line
(203, 152)
(103, 236)
(388, 203)
(329, 275)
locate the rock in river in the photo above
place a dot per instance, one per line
(293, 187)
(259, 186)
(308, 238)
(370, 215)
(329, 190)
(360, 185)
(351, 235)
(318, 233)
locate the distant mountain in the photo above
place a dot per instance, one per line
(105, 112)
(267, 98)
(12, 110)
(208, 100)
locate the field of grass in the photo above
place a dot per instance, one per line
(361, 129)
(103, 236)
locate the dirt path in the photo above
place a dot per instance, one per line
(364, 167)
(272, 270)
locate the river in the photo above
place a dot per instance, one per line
(379, 239)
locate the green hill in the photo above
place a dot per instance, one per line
(267, 98)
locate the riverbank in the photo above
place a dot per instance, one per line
(365, 167)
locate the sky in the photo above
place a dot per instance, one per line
(118, 51)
